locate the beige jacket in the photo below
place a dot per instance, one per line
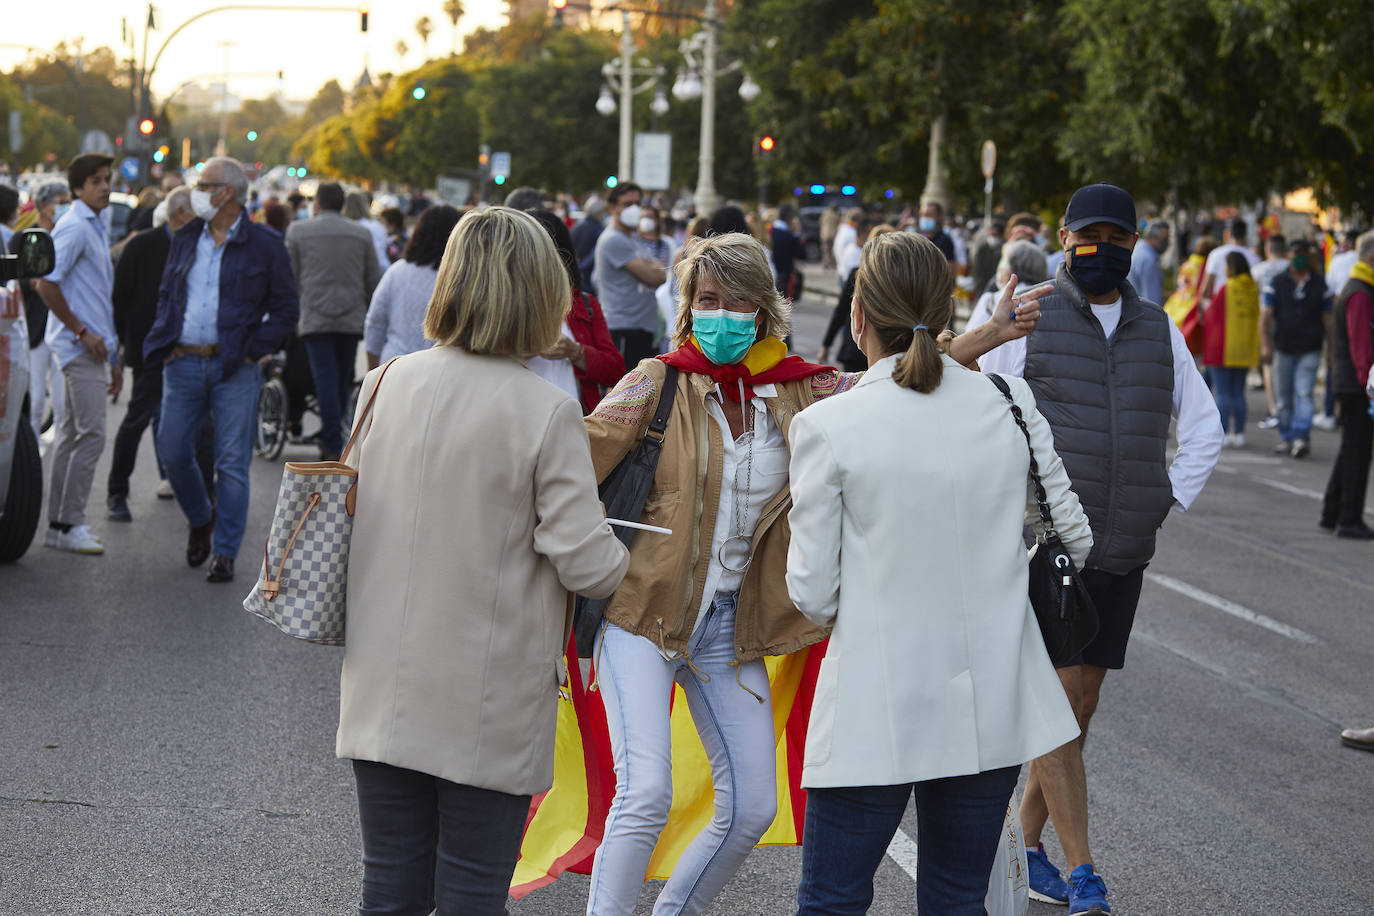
(662, 592)
(476, 515)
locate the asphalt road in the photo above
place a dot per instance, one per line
(166, 753)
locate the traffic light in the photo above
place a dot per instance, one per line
(418, 93)
(766, 144)
(558, 7)
(252, 136)
(500, 179)
(146, 126)
(483, 156)
(362, 17)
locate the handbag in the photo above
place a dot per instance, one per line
(303, 587)
(1063, 607)
(623, 493)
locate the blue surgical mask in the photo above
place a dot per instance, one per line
(927, 224)
(60, 211)
(724, 336)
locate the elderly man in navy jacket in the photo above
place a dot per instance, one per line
(227, 299)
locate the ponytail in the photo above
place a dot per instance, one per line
(920, 367)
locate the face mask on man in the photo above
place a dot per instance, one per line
(647, 226)
(724, 336)
(1300, 263)
(60, 211)
(201, 206)
(927, 223)
(1099, 267)
(630, 215)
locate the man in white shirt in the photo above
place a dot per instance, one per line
(846, 237)
(1103, 355)
(1215, 270)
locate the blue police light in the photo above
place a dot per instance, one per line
(889, 193)
(849, 190)
(418, 93)
(612, 181)
(818, 189)
(798, 192)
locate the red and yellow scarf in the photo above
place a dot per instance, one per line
(766, 363)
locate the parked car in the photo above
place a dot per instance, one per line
(21, 467)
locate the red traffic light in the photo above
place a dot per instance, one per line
(362, 17)
(146, 127)
(766, 144)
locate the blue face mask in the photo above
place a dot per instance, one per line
(60, 211)
(724, 336)
(927, 223)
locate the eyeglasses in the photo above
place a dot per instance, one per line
(206, 185)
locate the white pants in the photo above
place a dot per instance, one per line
(737, 733)
(42, 363)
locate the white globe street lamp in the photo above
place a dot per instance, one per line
(749, 90)
(605, 104)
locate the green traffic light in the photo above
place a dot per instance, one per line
(418, 92)
(252, 136)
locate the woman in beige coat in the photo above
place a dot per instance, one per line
(476, 514)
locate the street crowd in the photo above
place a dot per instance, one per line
(882, 501)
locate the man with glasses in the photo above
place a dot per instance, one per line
(227, 299)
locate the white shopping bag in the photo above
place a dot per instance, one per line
(1009, 884)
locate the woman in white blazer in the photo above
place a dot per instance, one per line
(476, 514)
(910, 493)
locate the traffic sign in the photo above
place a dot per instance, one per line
(128, 167)
(500, 165)
(16, 131)
(653, 161)
(989, 158)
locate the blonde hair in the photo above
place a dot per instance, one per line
(501, 288)
(738, 264)
(904, 281)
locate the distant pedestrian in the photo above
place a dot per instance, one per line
(1352, 347)
(829, 225)
(1295, 326)
(81, 335)
(1113, 436)
(227, 300)
(476, 515)
(931, 224)
(1026, 261)
(1231, 345)
(1233, 240)
(51, 200)
(335, 263)
(358, 207)
(585, 359)
(584, 236)
(395, 323)
(788, 251)
(525, 198)
(627, 279)
(986, 253)
(1146, 275)
(394, 221)
(846, 238)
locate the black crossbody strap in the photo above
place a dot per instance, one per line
(666, 396)
(1041, 497)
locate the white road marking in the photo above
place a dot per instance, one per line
(1235, 610)
(902, 850)
(1280, 485)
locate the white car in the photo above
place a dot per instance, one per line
(21, 468)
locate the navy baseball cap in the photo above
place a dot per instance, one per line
(1100, 203)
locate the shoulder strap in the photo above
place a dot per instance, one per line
(1041, 497)
(367, 411)
(666, 396)
(587, 304)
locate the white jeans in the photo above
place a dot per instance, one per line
(41, 363)
(737, 733)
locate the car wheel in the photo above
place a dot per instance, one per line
(25, 500)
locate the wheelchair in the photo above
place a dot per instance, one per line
(286, 396)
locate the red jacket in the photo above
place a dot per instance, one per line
(605, 365)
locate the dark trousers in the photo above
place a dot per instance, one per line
(429, 842)
(635, 345)
(331, 363)
(959, 823)
(1344, 502)
(145, 404)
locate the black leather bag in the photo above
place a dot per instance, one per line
(1063, 607)
(623, 493)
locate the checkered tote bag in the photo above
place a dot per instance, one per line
(303, 586)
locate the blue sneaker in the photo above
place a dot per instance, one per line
(1046, 883)
(1087, 892)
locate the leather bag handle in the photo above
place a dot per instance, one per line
(367, 411)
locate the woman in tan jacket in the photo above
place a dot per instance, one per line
(476, 515)
(703, 605)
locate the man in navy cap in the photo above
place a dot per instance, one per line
(1109, 371)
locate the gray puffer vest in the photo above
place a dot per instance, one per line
(1109, 404)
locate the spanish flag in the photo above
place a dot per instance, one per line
(565, 824)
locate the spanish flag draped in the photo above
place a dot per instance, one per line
(1231, 328)
(565, 824)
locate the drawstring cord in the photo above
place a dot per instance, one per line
(596, 661)
(739, 670)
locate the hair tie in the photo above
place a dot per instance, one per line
(919, 327)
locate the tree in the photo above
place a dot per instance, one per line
(424, 28)
(453, 9)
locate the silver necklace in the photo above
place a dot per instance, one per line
(741, 505)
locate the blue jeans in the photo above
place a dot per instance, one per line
(192, 388)
(429, 842)
(959, 823)
(737, 732)
(331, 363)
(1295, 376)
(1228, 387)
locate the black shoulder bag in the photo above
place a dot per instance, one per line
(1063, 607)
(624, 492)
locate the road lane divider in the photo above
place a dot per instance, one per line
(1238, 611)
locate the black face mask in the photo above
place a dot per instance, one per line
(1099, 267)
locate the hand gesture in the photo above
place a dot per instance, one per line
(1016, 315)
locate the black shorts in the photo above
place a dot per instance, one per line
(1116, 598)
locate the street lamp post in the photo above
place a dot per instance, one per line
(627, 47)
(620, 75)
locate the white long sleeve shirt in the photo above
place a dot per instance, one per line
(1199, 424)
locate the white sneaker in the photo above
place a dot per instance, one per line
(164, 490)
(50, 537)
(1238, 440)
(79, 540)
(1324, 421)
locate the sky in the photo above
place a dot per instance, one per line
(309, 47)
